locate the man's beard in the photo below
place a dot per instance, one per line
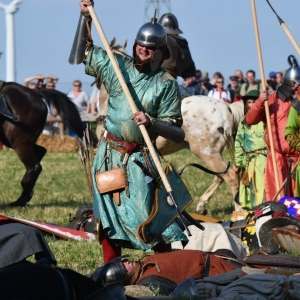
(143, 66)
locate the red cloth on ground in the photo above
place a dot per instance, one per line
(181, 264)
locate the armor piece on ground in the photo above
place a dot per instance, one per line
(151, 35)
(83, 220)
(170, 132)
(170, 22)
(288, 239)
(292, 76)
(266, 234)
(80, 41)
(111, 272)
(281, 261)
(5, 112)
(163, 285)
(186, 289)
(113, 291)
(274, 206)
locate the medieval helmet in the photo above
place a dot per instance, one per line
(169, 21)
(292, 76)
(112, 271)
(152, 35)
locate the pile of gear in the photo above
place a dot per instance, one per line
(216, 262)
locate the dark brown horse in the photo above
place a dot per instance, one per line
(30, 106)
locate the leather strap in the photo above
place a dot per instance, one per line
(206, 265)
(218, 174)
(125, 147)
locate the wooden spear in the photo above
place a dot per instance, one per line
(263, 83)
(134, 110)
(286, 30)
(284, 182)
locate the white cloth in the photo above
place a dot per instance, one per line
(213, 238)
(215, 93)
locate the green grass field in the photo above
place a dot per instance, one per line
(61, 189)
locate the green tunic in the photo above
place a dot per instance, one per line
(250, 156)
(291, 133)
(156, 93)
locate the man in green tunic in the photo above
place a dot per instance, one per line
(292, 129)
(157, 97)
(250, 157)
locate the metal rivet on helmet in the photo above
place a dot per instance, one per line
(169, 21)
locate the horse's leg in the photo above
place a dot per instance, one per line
(200, 209)
(30, 157)
(216, 163)
(166, 147)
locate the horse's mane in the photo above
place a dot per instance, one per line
(237, 110)
(118, 48)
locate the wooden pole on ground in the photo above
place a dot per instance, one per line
(263, 83)
(134, 110)
(286, 30)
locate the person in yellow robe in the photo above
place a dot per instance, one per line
(250, 158)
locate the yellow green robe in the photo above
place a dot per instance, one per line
(250, 156)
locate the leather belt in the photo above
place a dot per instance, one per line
(122, 146)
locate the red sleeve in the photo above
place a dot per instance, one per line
(256, 113)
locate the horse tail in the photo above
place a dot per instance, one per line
(66, 109)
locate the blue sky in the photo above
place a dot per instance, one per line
(220, 34)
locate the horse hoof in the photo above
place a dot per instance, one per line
(18, 203)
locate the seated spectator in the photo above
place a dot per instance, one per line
(240, 77)
(51, 127)
(205, 85)
(82, 101)
(279, 79)
(190, 87)
(234, 89)
(214, 79)
(251, 83)
(198, 76)
(271, 82)
(39, 80)
(32, 85)
(219, 92)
